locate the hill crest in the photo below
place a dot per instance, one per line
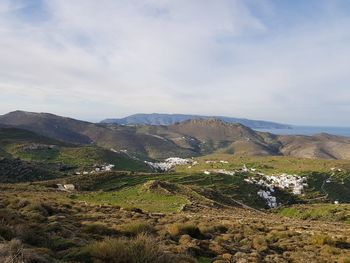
(189, 138)
(169, 119)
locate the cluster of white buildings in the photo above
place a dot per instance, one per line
(98, 169)
(294, 183)
(170, 163)
(38, 146)
(224, 171)
(269, 198)
(221, 161)
(66, 187)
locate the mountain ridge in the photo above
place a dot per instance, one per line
(168, 119)
(189, 138)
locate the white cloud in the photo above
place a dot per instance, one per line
(96, 59)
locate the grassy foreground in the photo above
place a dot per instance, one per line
(324, 212)
(134, 197)
(43, 225)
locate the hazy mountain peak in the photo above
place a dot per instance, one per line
(169, 119)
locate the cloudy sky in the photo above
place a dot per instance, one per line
(279, 60)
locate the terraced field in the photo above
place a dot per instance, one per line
(208, 210)
(51, 225)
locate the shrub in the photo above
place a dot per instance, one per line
(213, 229)
(14, 252)
(134, 229)
(134, 209)
(38, 208)
(259, 243)
(344, 259)
(23, 203)
(6, 232)
(11, 251)
(31, 234)
(170, 258)
(327, 250)
(59, 243)
(323, 239)
(78, 255)
(140, 250)
(189, 229)
(99, 229)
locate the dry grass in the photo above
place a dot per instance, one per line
(136, 228)
(56, 228)
(177, 229)
(99, 229)
(142, 249)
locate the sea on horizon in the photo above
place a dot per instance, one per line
(309, 130)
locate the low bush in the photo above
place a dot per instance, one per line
(323, 239)
(59, 243)
(99, 229)
(23, 203)
(140, 250)
(78, 255)
(183, 229)
(134, 229)
(6, 232)
(344, 259)
(40, 208)
(212, 229)
(260, 244)
(14, 252)
(11, 251)
(31, 234)
(134, 209)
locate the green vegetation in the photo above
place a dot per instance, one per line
(55, 226)
(136, 228)
(15, 170)
(80, 157)
(231, 186)
(135, 197)
(266, 164)
(49, 158)
(10, 136)
(325, 212)
(184, 215)
(142, 249)
(98, 228)
(204, 260)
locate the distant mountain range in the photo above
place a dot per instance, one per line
(183, 139)
(169, 119)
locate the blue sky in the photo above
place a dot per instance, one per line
(285, 61)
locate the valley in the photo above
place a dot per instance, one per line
(197, 191)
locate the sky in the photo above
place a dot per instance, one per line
(280, 60)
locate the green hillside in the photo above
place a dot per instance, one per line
(266, 164)
(15, 170)
(31, 147)
(323, 185)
